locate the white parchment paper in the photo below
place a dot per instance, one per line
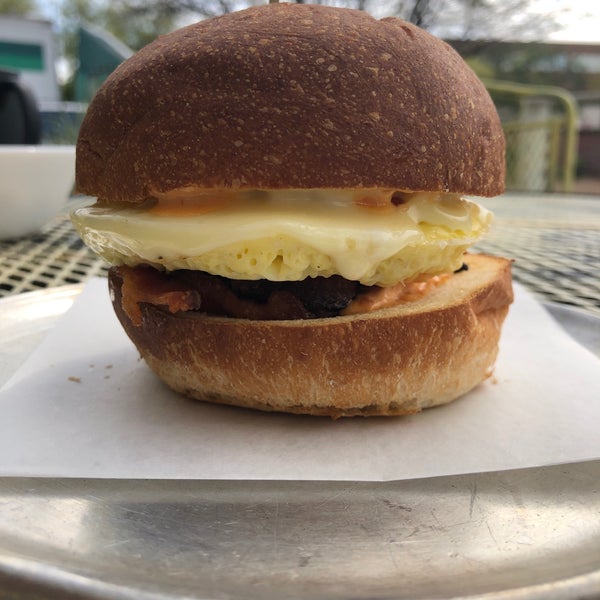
(85, 405)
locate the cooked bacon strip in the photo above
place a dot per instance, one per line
(144, 284)
(185, 290)
(218, 298)
(199, 291)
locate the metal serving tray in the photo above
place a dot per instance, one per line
(531, 533)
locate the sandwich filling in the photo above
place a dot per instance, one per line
(373, 237)
(184, 291)
(282, 254)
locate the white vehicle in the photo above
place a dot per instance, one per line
(29, 47)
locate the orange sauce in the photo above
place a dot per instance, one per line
(189, 201)
(373, 198)
(379, 297)
(377, 198)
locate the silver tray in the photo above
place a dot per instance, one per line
(531, 533)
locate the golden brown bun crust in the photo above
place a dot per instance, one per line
(389, 362)
(292, 96)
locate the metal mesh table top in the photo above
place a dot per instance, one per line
(554, 240)
(55, 256)
(555, 244)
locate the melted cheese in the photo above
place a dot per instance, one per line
(289, 234)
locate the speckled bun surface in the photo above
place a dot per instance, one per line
(291, 96)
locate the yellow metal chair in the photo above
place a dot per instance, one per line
(541, 128)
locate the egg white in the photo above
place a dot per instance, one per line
(291, 235)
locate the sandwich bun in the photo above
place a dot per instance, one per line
(291, 96)
(394, 361)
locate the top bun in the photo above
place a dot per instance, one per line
(292, 96)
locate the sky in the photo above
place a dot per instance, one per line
(580, 19)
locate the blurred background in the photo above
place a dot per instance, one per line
(540, 60)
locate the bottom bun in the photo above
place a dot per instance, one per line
(393, 361)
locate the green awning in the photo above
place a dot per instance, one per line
(99, 53)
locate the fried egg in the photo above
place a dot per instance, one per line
(288, 235)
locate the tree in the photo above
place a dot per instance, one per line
(138, 21)
(123, 18)
(20, 8)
